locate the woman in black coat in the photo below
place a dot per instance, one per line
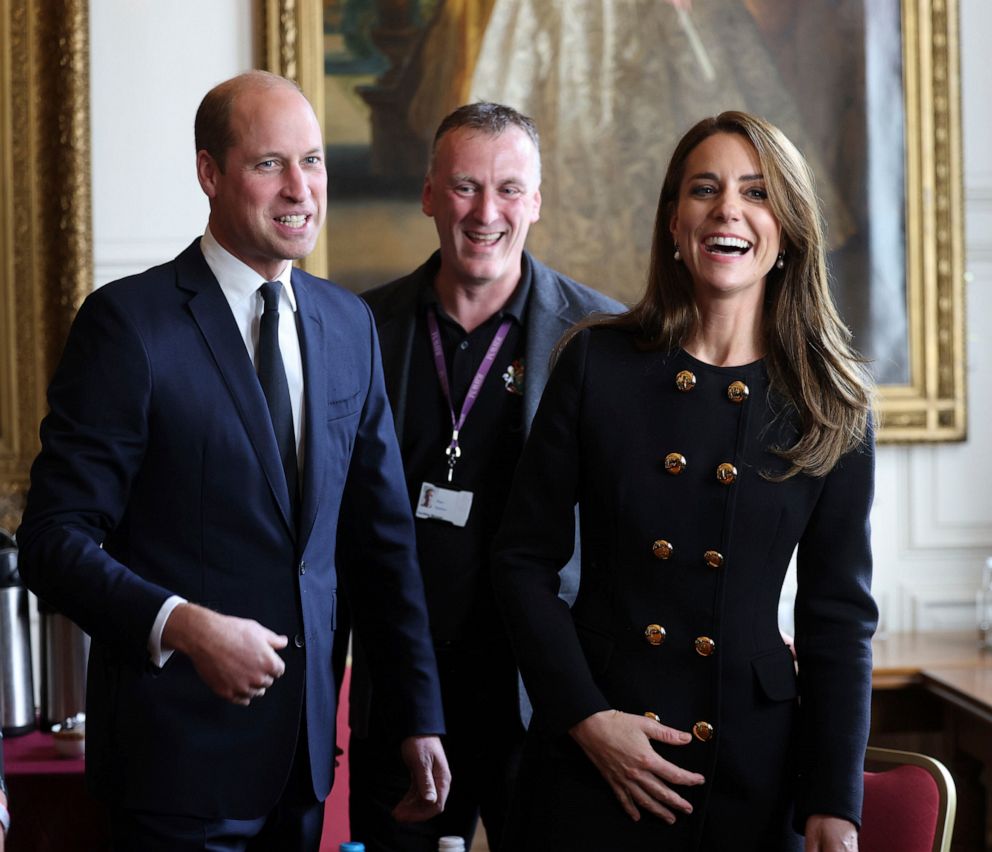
(706, 434)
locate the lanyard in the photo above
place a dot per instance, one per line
(453, 451)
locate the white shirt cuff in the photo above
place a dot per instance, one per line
(158, 656)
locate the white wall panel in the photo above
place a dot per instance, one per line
(151, 63)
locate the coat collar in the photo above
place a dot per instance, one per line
(546, 320)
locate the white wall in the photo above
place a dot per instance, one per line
(150, 64)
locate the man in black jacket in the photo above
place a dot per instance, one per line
(466, 343)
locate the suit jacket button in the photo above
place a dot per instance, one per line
(713, 559)
(705, 646)
(737, 392)
(655, 634)
(726, 473)
(298, 640)
(675, 463)
(685, 381)
(303, 567)
(662, 549)
(702, 731)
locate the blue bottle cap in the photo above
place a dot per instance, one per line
(351, 847)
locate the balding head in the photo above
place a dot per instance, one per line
(212, 129)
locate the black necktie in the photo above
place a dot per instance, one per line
(272, 377)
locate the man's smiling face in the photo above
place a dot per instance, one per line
(267, 203)
(483, 194)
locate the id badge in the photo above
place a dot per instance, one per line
(444, 504)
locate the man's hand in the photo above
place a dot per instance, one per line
(235, 657)
(830, 834)
(619, 744)
(429, 779)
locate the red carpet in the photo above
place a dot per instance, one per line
(336, 807)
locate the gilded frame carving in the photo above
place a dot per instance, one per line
(46, 265)
(931, 405)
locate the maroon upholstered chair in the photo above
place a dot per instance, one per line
(909, 804)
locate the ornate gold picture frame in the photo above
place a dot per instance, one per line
(930, 404)
(46, 265)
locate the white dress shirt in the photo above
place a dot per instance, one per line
(240, 285)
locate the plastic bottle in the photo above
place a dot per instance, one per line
(451, 844)
(351, 846)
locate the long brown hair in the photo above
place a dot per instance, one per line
(808, 353)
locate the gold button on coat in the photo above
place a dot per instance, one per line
(675, 463)
(685, 381)
(737, 392)
(702, 731)
(726, 473)
(705, 646)
(713, 559)
(654, 716)
(655, 634)
(662, 549)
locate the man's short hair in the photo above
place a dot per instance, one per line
(212, 127)
(488, 118)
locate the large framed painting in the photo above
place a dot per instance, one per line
(868, 89)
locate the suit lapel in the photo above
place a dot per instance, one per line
(396, 329)
(213, 315)
(546, 323)
(313, 347)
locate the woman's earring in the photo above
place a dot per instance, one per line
(678, 254)
(780, 263)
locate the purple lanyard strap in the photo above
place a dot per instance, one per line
(453, 451)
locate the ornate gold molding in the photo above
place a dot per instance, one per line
(45, 217)
(292, 44)
(931, 406)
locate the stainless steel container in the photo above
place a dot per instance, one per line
(16, 681)
(64, 651)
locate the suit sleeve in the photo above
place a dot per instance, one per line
(534, 543)
(835, 620)
(92, 445)
(377, 553)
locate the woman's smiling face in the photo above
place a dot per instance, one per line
(723, 225)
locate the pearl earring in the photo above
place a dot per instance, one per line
(678, 254)
(780, 263)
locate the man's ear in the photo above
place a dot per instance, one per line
(426, 199)
(207, 172)
(536, 214)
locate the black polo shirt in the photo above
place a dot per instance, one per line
(455, 560)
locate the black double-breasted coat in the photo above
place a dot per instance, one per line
(682, 569)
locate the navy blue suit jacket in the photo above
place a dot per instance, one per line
(159, 474)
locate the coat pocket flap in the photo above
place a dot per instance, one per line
(776, 675)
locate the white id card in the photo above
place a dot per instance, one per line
(444, 504)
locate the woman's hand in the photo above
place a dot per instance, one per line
(830, 834)
(619, 744)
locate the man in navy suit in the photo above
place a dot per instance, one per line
(194, 527)
(479, 299)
